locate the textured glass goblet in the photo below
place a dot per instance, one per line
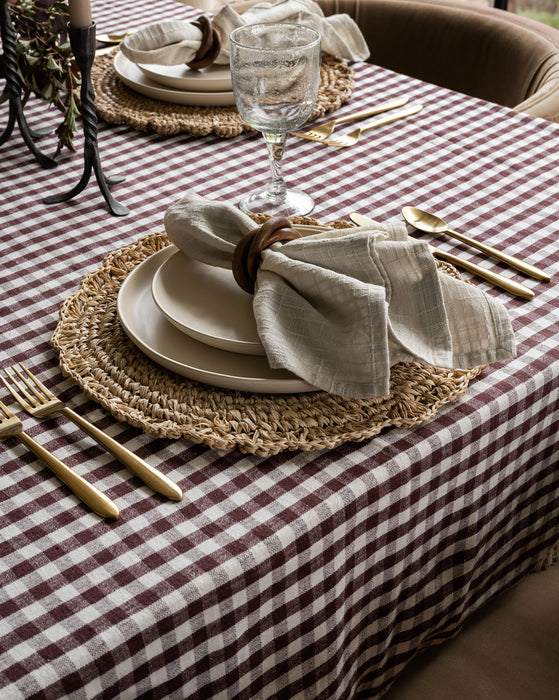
(275, 70)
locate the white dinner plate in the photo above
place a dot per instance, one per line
(133, 77)
(206, 303)
(214, 78)
(165, 344)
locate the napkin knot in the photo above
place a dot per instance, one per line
(210, 44)
(339, 308)
(178, 42)
(248, 251)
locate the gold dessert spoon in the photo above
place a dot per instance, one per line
(429, 223)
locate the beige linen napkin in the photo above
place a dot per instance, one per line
(339, 308)
(174, 42)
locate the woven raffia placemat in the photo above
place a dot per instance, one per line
(97, 355)
(118, 104)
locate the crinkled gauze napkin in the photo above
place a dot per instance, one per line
(340, 307)
(173, 42)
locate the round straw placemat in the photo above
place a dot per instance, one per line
(96, 354)
(118, 104)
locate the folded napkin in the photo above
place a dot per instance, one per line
(339, 308)
(175, 42)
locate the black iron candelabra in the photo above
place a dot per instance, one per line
(82, 41)
(14, 88)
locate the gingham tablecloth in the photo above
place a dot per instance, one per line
(303, 575)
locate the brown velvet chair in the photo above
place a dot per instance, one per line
(484, 52)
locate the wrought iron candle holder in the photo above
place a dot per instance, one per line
(82, 41)
(13, 87)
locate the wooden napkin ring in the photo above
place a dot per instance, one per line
(248, 251)
(210, 46)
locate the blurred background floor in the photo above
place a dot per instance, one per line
(509, 650)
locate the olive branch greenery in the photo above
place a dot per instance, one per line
(45, 60)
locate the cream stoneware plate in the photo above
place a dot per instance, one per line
(214, 78)
(206, 303)
(133, 77)
(166, 345)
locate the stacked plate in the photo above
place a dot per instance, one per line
(195, 320)
(181, 85)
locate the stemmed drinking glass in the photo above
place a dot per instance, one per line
(276, 71)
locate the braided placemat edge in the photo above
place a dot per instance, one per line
(118, 104)
(95, 353)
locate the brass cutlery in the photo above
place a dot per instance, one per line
(36, 399)
(10, 425)
(353, 137)
(112, 38)
(508, 285)
(108, 48)
(429, 223)
(322, 132)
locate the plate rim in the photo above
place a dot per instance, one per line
(281, 385)
(137, 81)
(246, 347)
(186, 83)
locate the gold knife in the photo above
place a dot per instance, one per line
(508, 285)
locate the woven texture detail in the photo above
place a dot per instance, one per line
(97, 355)
(118, 104)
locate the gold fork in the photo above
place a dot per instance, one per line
(322, 132)
(86, 492)
(353, 137)
(36, 399)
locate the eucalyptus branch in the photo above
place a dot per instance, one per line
(45, 60)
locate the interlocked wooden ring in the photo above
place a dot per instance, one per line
(248, 252)
(210, 46)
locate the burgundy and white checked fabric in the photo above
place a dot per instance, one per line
(307, 575)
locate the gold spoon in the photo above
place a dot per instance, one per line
(429, 223)
(508, 285)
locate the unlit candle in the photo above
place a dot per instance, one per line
(80, 13)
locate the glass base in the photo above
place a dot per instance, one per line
(294, 203)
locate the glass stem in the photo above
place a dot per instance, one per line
(276, 188)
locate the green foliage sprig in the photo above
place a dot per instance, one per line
(45, 60)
